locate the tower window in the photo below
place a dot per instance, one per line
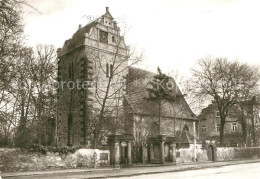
(113, 38)
(109, 70)
(103, 36)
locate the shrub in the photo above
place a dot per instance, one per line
(61, 150)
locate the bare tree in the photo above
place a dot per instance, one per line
(34, 99)
(109, 88)
(42, 70)
(214, 79)
(247, 78)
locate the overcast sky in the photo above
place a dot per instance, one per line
(173, 33)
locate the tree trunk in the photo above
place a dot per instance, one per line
(159, 128)
(222, 125)
(244, 130)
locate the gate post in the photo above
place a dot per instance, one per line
(129, 152)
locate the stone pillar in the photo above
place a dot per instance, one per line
(129, 156)
(162, 152)
(174, 153)
(171, 152)
(116, 154)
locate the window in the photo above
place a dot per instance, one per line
(203, 129)
(113, 38)
(218, 114)
(109, 70)
(186, 128)
(103, 36)
(234, 127)
(218, 127)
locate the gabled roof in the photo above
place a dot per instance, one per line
(185, 137)
(77, 39)
(136, 93)
(213, 108)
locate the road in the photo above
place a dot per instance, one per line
(223, 170)
(242, 171)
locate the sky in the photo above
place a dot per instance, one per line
(174, 34)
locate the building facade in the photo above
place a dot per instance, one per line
(209, 124)
(94, 57)
(86, 63)
(176, 124)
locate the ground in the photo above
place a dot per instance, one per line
(226, 172)
(230, 169)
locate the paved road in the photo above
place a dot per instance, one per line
(242, 171)
(229, 170)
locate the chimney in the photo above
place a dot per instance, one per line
(107, 9)
(80, 26)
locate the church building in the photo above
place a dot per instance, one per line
(95, 57)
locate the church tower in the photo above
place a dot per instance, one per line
(95, 57)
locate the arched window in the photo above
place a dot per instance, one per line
(113, 38)
(109, 70)
(70, 119)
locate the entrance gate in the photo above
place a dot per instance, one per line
(120, 153)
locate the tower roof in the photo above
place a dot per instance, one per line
(107, 14)
(78, 37)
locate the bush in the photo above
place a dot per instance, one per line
(5, 141)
